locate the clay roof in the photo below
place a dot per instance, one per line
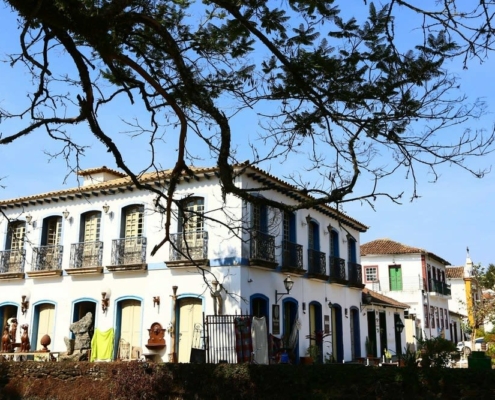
(89, 171)
(455, 272)
(387, 246)
(159, 177)
(380, 299)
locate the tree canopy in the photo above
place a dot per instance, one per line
(345, 95)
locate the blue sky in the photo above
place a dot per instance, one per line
(450, 215)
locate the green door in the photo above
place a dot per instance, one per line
(395, 274)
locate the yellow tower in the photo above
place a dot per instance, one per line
(471, 288)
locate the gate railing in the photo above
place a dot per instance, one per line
(220, 337)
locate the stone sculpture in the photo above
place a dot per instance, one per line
(76, 348)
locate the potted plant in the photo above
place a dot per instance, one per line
(313, 354)
(368, 344)
(316, 345)
(388, 355)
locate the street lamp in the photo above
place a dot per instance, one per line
(288, 283)
(399, 325)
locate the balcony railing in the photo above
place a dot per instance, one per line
(86, 254)
(355, 273)
(129, 251)
(189, 246)
(439, 287)
(337, 268)
(292, 255)
(317, 265)
(262, 246)
(12, 261)
(47, 258)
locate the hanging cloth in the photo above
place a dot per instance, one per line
(102, 345)
(244, 342)
(260, 340)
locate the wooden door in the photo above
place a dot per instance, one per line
(46, 319)
(91, 237)
(130, 326)
(16, 244)
(190, 313)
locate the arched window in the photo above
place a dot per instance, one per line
(259, 217)
(88, 252)
(14, 246)
(132, 221)
(192, 240)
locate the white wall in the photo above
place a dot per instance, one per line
(224, 251)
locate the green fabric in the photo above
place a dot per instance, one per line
(102, 345)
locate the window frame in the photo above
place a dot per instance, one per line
(375, 267)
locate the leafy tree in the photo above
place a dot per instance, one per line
(487, 277)
(357, 96)
(480, 307)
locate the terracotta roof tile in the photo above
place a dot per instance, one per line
(387, 246)
(161, 176)
(89, 171)
(455, 272)
(380, 299)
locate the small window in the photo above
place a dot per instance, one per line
(371, 274)
(427, 316)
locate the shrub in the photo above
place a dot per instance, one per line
(435, 352)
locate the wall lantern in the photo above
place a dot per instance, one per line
(106, 207)
(29, 219)
(399, 325)
(307, 219)
(66, 214)
(105, 299)
(329, 303)
(156, 301)
(329, 229)
(366, 300)
(24, 301)
(288, 283)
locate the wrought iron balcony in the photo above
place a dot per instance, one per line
(129, 251)
(189, 246)
(317, 266)
(47, 258)
(355, 274)
(86, 254)
(439, 287)
(337, 269)
(12, 261)
(292, 257)
(262, 249)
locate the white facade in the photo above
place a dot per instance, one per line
(105, 231)
(414, 277)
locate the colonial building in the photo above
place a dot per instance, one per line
(89, 249)
(466, 293)
(413, 276)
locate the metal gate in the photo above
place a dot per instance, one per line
(220, 337)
